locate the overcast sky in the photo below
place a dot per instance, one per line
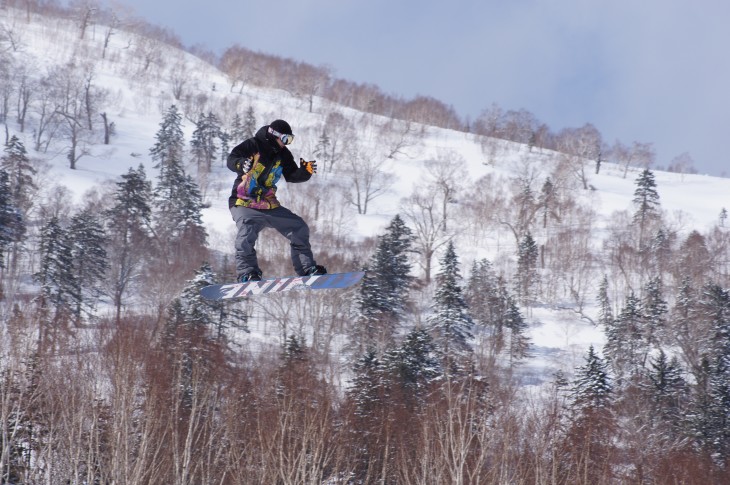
(652, 71)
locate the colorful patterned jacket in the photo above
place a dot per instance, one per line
(257, 187)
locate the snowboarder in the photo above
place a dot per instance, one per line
(259, 163)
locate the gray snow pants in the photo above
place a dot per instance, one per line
(251, 221)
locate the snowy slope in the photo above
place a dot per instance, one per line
(140, 97)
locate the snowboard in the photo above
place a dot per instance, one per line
(277, 285)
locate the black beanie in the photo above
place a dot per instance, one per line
(281, 126)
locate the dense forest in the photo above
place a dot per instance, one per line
(114, 370)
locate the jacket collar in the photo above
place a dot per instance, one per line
(263, 136)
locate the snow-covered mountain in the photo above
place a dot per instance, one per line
(142, 76)
(616, 274)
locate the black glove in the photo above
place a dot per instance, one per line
(310, 167)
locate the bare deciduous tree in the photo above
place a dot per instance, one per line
(424, 212)
(48, 123)
(366, 176)
(110, 31)
(179, 79)
(311, 82)
(7, 85)
(233, 65)
(398, 137)
(444, 178)
(26, 90)
(683, 163)
(71, 98)
(638, 155)
(578, 147)
(86, 11)
(429, 111)
(519, 126)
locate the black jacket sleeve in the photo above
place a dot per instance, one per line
(292, 172)
(244, 150)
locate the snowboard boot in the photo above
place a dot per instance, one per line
(253, 275)
(317, 269)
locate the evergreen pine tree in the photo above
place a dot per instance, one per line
(481, 292)
(323, 150)
(383, 293)
(17, 188)
(486, 297)
(182, 344)
(293, 350)
(190, 215)
(450, 320)
(592, 389)
(716, 306)
(90, 263)
(491, 306)
(203, 142)
(365, 391)
(667, 391)
(626, 346)
(128, 223)
(12, 226)
(654, 309)
(170, 141)
(20, 173)
(56, 275)
(249, 124)
(646, 197)
(519, 342)
(174, 325)
(547, 202)
(177, 219)
(590, 432)
(237, 133)
(368, 398)
(605, 313)
(413, 365)
(659, 252)
(524, 203)
(500, 302)
(685, 299)
(717, 415)
(391, 265)
(527, 276)
(132, 209)
(296, 377)
(225, 149)
(366, 328)
(196, 309)
(709, 410)
(646, 200)
(216, 316)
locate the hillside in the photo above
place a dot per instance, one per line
(488, 197)
(137, 99)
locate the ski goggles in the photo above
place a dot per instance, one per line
(285, 139)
